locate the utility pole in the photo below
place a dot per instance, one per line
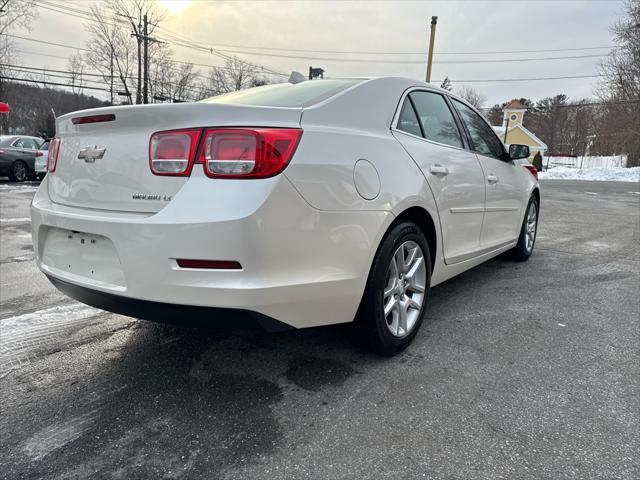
(111, 76)
(141, 32)
(145, 88)
(506, 130)
(434, 22)
(136, 33)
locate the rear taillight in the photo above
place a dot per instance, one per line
(39, 154)
(533, 170)
(54, 150)
(247, 152)
(173, 152)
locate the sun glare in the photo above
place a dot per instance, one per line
(174, 6)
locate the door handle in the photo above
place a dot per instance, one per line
(491, 178)
(438, 169)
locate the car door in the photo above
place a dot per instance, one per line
(504, 182)
(428, 130)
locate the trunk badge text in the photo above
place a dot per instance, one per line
(91, 154)
(150, 196)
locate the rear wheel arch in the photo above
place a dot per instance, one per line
(423, 219)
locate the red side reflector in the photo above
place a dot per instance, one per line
(533, 170)
(209, 264)
(94, 119)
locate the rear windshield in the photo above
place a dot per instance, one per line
(6, 140)
(44, 146)
(302, 94)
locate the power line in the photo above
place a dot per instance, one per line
(519, 79)
(371, 52)
(44, 82)
(401, 62)
(73, 47)
(84, 15)
(65, 9)
(577, 105)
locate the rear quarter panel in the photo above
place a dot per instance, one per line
(350, 127)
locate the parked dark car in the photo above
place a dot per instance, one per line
(17, 156)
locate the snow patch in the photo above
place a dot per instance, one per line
(601, 174)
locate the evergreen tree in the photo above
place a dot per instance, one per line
(537, 161)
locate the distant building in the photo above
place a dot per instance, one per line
(516, 132)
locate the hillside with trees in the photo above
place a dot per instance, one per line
(33, 108)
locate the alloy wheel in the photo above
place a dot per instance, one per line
(20, 171)
(404, 292)
(531, 227)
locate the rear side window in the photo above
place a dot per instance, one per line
(408, 121)
(436, 119)
(6, 141)
(302, 94)
(482, 136)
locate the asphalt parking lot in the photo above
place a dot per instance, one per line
(520, 371)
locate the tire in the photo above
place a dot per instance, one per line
(527, 239)
(19, 171)
(390, 334)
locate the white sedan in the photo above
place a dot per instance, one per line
(42, 157)
(284, 206)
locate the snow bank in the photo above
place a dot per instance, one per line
(615, 174)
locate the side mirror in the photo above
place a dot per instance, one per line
(517, 151)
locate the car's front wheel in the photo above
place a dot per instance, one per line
(395, 298)
(19, 171)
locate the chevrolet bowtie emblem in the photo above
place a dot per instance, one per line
(91, 154)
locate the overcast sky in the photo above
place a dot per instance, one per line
(380, 26)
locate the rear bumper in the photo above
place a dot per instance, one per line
(224, 319)
(300, 266)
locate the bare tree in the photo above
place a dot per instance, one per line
(76, 70)
(471, 95)
(14, 14)
(111, 51)
(116, 42)
(170, 80)
(235, 75)
(621, 85)
(134, 12)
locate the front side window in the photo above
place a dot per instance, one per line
(483, 138)
(437, 121)
(408, 122)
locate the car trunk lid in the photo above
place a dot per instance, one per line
(105, 164)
